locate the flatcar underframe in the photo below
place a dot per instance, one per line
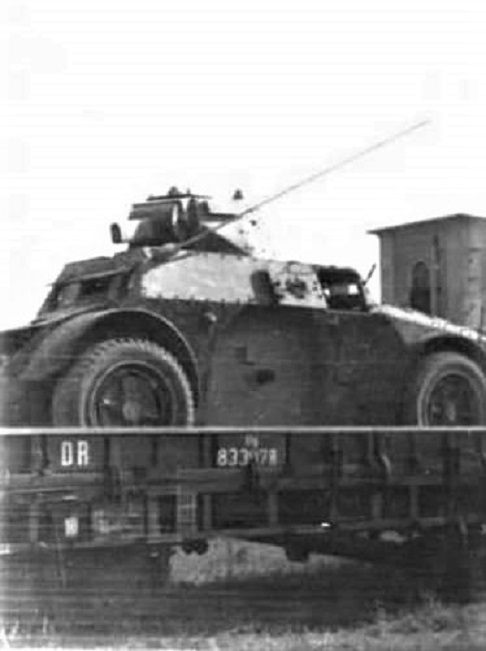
(352, 491)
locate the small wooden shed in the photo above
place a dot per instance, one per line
(437, 266)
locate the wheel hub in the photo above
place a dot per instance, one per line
(450, 412)
(133, 395)
(132, 412)
(454, 401)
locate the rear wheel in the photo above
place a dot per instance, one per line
(124, 383)
(449, 390)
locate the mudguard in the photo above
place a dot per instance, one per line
(56, 349)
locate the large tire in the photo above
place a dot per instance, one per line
(449, 390)
(123, 383)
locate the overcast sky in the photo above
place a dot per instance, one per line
(107, 102)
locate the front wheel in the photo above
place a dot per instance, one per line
(449, 390)
(124, 383)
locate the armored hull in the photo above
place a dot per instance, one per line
(151, 339)
(200, 331)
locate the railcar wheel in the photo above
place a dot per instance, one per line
(449, 390)
(124, 383)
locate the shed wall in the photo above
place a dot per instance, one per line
(454, 251)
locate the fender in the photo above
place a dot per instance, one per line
(55, 351)
(437, 342)
(423, 334)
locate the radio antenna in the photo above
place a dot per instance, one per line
(336, 166)
(348, 160)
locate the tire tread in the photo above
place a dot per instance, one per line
(65, 393)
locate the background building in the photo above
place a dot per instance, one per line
(437, 266)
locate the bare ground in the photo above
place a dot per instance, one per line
(240, 596)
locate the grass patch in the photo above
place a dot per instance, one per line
(229, 559)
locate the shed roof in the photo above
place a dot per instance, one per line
(378, 231)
